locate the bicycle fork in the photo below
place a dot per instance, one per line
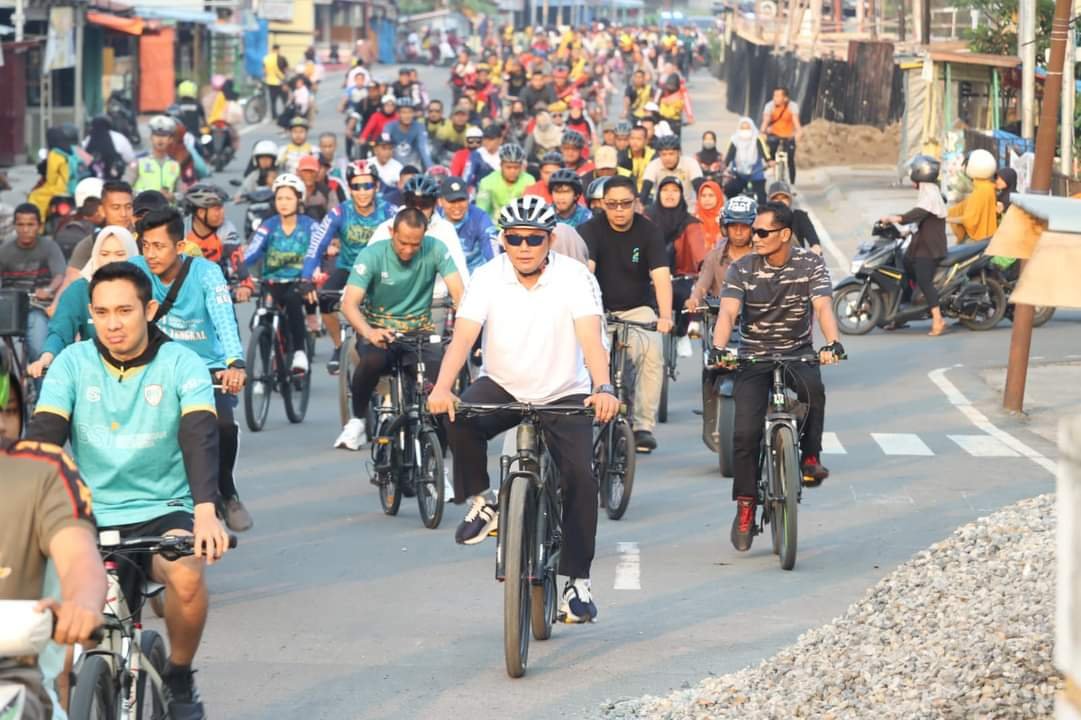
(527, 452)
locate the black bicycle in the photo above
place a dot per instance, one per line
(407, 454)
(613, 447)
(718, 386)
(269, 368)
(530, 536)
(15, 309)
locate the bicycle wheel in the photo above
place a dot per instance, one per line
(390, 497)
(148, 700)
(620, 470)
(255, 109)
(517, 586)
(345, 387)
(662, 406)
(430, 485)
(786, 487)
(300, 389)
(600, 464)
(544, 593)
(94, 696)
(259, 387)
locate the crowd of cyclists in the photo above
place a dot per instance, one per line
(538, 206)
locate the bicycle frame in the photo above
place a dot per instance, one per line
(778, 414)
(530, 449)
(410, 415)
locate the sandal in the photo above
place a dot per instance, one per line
(940, 330)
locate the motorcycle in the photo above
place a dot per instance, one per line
(1010, 275)
(121, 113)
(61, 210)
(260, 204)
(215, 144)
(969, 288)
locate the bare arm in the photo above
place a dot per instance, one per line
(441, 400)
(351, 302)
(74, 551)
(726, 320)
(662, 283)
(827, 321)
(455, 287)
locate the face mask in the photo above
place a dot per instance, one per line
(746, 134)
(708, 145)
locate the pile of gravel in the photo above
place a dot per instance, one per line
(964, 629)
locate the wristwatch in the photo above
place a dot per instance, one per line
(606, 388)
(236, 365)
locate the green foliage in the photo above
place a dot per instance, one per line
(997, 31)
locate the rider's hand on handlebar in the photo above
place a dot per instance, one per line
(692, 304)
(74, 623)
(380, 337)
(307, 291)
(232, 380)
(605, 406)
(722, 358)
(831, 354)
(37, 368)
(242, 293)
(442, 401)
(211, 538)
(664, 326)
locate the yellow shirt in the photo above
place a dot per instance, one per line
(638, 165)
(272, 74)
(217, 110)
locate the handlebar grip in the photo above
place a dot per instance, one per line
(98, 634)
(232, 541)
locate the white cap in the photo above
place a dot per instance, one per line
(663, 129)
(88, 188)
(388, 98)
(474, 132)
(652, 107)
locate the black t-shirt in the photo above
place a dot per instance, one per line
(624, 260)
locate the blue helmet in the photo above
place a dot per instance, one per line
(740, 210)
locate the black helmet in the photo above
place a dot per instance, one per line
(205, 195)
(573, 138)
(565, 176)
(667, 142)
(512, 153)
(421, 186)
(923, 168)
(552, 157)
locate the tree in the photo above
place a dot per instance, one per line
(997, 28)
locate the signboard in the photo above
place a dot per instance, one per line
(276, 10)
(60, 42)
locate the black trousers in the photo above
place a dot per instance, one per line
(287, 295)
(570, 442)
(375, 362)
(681, 290)
(228, 443)
(789, 145)
(736, 185)
(274, 94)
(923, 269)
(751, 393)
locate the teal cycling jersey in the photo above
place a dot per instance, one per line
(353, 231)
(125, 426)
(284, 253)
(202, 318)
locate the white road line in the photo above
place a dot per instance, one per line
(826, 239)
(977, 418)
(629, 567)
(983, 446)
(881, 498)
(901, 444)
(831, 444)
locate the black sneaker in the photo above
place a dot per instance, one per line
(578, 605)
(482, 519)
(334, 365)
(181, 698)
(644, 441)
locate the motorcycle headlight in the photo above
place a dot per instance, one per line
(856, 266)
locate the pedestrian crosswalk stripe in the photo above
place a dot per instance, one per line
(901, 444)
(831, 444)
(983, 446)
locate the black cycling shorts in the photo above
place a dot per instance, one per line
(337, 280)
(134, 567)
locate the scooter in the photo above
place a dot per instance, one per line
(215, 145)
(969, 288)
(121, 113)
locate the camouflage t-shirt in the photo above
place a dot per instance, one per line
(777, 315)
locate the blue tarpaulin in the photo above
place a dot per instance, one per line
(255, 48)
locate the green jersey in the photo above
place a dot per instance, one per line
(493, 192)
(398, 295)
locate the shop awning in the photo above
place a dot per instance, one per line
(176, 14)
(231, 29)
(130, 26)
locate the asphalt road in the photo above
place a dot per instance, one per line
(329, 609)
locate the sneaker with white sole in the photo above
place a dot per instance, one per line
(448, 486)
(482, 519)
(353, 435)
(300, 362)
(683, 347)
(578, 605)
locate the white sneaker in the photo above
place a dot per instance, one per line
(683, 347)
(694, 329)
(353, 435)
(258, 388)
(578, 605)
(300, 362)
(448, 486)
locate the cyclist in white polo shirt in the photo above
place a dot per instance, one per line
(542, 315)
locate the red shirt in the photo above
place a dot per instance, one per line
(540, 189)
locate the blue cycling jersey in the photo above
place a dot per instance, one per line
(476, 233)
(284, 253)
(353, 231)
(580, 215)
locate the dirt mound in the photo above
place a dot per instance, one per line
(826, 143)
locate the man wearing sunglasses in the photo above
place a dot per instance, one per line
(351, 224)
(558, 357)
(775, 293)
(627, 254)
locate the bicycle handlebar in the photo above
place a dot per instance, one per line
(779, 358)
(170, 547)
(464, 408)
(614, 320)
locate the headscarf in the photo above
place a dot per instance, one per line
(708, 156)
(122, 234)
(977, 215)
(710, 219)
(55, 139)
(546, 134)
(100, 143)
(930, 199)
(671, 221)
(1009, 176)
(746, 148)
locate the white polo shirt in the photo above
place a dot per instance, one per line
(529, 347)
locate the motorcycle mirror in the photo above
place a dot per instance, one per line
(235, 182)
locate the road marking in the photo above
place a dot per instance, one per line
(983, 446)
(826, 240)
(629, 567)
(901, 444)
(977, 418)
(882, 499)
(831, 444)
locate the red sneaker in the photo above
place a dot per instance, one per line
(743, 524)
(813, 471)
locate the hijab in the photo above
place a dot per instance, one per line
(122, 234)
(710, 219)
(746, 145)
(1009, 176)
(977, 213)
(100, 143)
(930, 199)
(671, 221)
(547, 134)
(708, 156)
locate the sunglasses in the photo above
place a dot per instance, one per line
(764, 233)
(619, 204)
(363, 186)
(530, 240)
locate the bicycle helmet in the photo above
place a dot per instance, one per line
(162, 125)
(405, 102)
(667, 142)
(623, 128)
(595, 191)
(981, 165)
(552, 157)
(438, 171)
(421, 186)
(924, 168)
(290, 180)
(528, 211)
(573, 138)
(740, 210)
(512, 153)
(265, 148)
(205, 195)
(565, 176)
(299, 121)
(187, 89)
(360, 167)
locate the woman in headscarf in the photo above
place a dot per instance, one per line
(107, 162)
(56, 173)
(546, 136)
(708, 209)
(747, 159)
(71, 320)
(928, 245)
(709, 157)
(683, 240)
(1005, 183)
(974, 218)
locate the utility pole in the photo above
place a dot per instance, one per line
(1026, 39)
(18, 19)
(1069, 96)
(1013, 398)
(79, 10)
(900, 22)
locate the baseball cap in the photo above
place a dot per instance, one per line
(473, 132)
(384, 139)
(308, 162)
(454, 189)
(604, 157)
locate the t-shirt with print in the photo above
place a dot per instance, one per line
(687, 170)
(398, 295)
(125, 426)
(624, 260)
(29, 268)
(284, 253)
(776, 316)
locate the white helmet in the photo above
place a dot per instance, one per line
(290, 180)
(162, 125)
(265, 147)
(88, 188)
(981, 165)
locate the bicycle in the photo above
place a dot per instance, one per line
(121, 677)
(614, 458)
(15, 309)
(718, 403)
(269, 367)
(530, 536)
(255, 105)
(407, 453)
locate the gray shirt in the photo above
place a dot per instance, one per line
(29, 268)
